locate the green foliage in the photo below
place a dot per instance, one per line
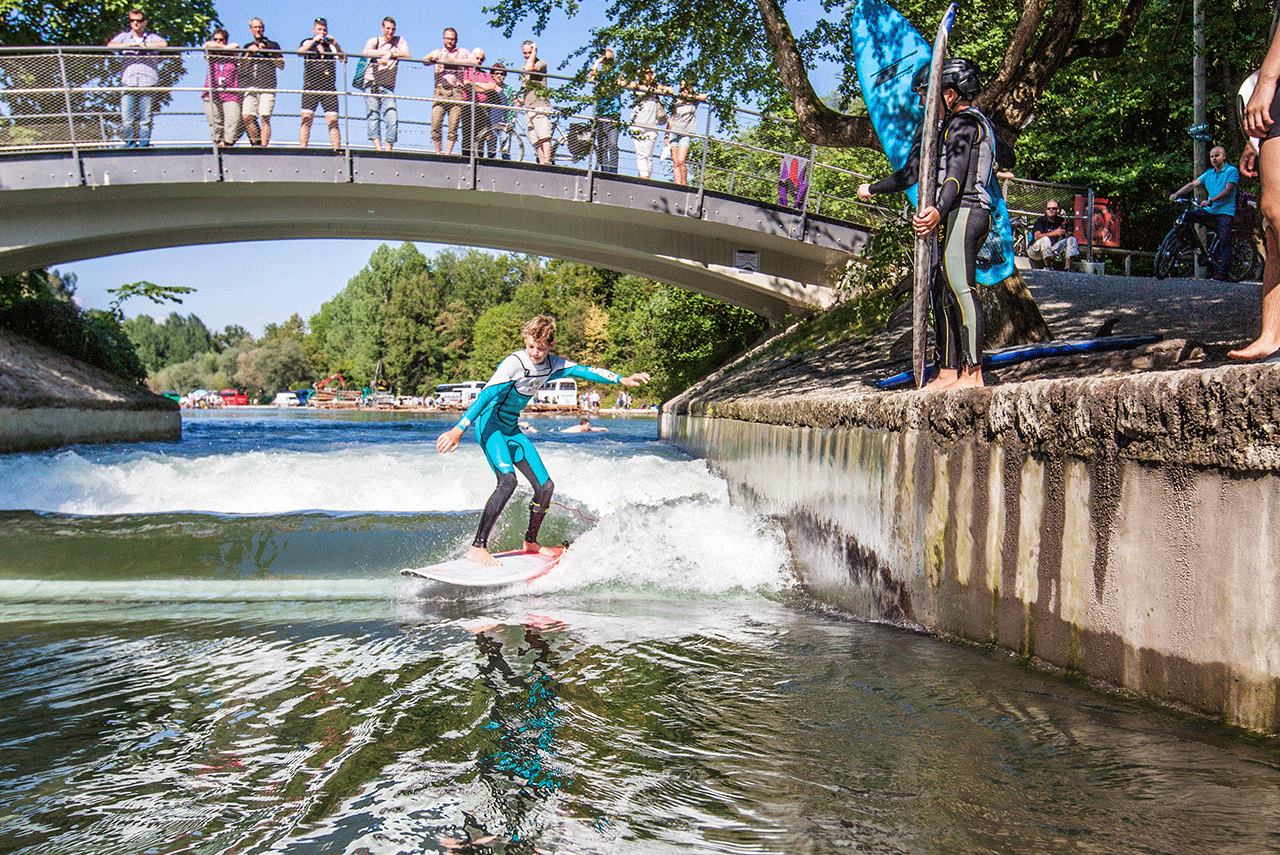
(455, 317)
(94, 22)
(37, 305)
(858, 317)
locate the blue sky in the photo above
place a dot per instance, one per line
(266, 282)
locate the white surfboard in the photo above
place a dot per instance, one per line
(1242, 99)
(518, 566)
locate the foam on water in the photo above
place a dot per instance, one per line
(651, 518)
(406, 477)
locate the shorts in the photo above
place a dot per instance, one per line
(328, 99)
(259, 102)
(681, 140)
(539, 122)
(1274, 130)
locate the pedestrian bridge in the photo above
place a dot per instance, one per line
(70, 191)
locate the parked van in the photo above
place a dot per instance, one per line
(563, 393)
(458, 394)
(290, 399)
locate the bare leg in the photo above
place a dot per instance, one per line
(251, 128)
(266, 130)
(335, 138)
(1268, 341)
(543, 550)
(304, 128)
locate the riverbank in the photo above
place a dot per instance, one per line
(48, 400)
(1108, 514)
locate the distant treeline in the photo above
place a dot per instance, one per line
(450, 318)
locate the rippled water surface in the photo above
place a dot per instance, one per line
(205, 647)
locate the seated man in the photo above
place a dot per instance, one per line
(1050, 239)
(1219, 184)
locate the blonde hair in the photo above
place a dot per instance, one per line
(541, 329)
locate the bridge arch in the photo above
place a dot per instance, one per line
(69, 206)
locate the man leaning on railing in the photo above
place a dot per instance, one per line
(141, 75)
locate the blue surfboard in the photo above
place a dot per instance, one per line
(1040, 350)
(887, 52)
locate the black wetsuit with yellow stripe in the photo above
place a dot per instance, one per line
(966, 167)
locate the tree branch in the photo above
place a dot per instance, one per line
(817, 123)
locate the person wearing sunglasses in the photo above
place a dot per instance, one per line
(139, 76)
(1051, 238)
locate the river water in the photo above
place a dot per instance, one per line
(205, 647)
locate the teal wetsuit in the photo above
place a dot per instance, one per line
(495, 414)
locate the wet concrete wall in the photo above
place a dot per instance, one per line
(48, 400)
(1124, 529)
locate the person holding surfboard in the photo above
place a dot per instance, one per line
(495, 414)
(961, 211)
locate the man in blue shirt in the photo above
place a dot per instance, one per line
(1219, 183)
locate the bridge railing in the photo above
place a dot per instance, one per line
(79, 98)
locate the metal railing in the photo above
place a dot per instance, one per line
(79, 98)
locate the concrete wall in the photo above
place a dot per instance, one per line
(48, 399)
(1079, 522)
(50, 427)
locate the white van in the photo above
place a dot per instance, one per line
(563, 393)
(458, 393)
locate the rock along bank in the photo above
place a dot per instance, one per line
(48, 400)
(1124, 528)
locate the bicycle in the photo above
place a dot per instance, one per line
(506, 138)
(1183, 245)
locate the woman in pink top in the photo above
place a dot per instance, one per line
(222, 93)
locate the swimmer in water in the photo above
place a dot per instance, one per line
(584, 426)
(495, 414)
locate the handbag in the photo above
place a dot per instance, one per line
(581, 137)
(660, 118)
(357, 79)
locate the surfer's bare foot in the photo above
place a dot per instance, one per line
(1257, 350)
(970, 378)
(480, 555)
(945, 378)
(550, 551)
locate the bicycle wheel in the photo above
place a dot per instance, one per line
(1246, 261)
(1176, 255)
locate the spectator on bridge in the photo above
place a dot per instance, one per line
(321, 53)
(1219, 182)
(262, 58)
(1050, 238)
(221, 95)
(480, 90)
(139, 76)
(501, 97)
(537, 101)
(648, 116)
(450, 93)
(608, 94)
(682, 128)
(385, 51)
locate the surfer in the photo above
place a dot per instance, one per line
(495, 414)
(961, 212)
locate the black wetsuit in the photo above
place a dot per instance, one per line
(966, 167)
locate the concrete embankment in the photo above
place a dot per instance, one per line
(48, 400)
(1121, 527)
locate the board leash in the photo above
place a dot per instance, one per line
(576, 511)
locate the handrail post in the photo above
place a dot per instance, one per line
(1089, 227)
(469, 130)
(346, 112)
(804, 208)
(66, 95)
(702, 170)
